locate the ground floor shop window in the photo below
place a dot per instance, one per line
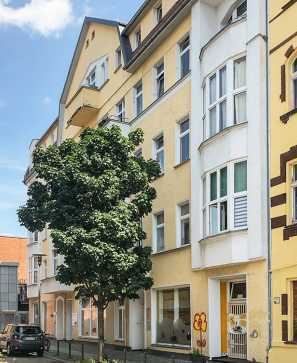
(88, 314)
(174, 316)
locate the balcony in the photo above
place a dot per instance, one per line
(82, 107)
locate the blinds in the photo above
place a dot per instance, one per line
(240, 212)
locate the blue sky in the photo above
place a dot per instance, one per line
(37, 40)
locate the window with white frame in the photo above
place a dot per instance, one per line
(184, 57)
(160, 79)
(217, 101)
(238, 12)
(97, 73)
(159, 151)
(35, 312)
(225, 191)
(91, 78)
(137, 38)
(239, 92)
(104, 70)
(118, 58)
(184, 140)
(88, 318)
(158, 12)
(294, 85)
(35, 236)
(294, 193)
(138, 98)
(55, 261)
(159, 232)
(120, 109)
(33, 270)
(204, 124)
(119, 320)
(174, 317)
(184, 224)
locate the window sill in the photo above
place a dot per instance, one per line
(182, 163)
(291, 343)
(175, 346)
(285, 117)
(225, 131)
(222, 234)
(156, 253)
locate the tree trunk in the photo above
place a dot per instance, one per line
(100, 319)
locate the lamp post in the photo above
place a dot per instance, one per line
(39, 257)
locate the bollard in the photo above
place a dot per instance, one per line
(58, 347)
(82, 352)
(69, 348)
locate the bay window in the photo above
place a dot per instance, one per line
(159, 232)
(88, 318)
(223, 191)
(184, 141)
(240, 90)
(174, 316)
(294, 193)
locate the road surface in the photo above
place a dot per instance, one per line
(24, 359)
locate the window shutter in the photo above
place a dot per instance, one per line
(240, 212)
(284, 300)
(283, 83)
(284, 330)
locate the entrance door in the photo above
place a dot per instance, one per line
(44, 316)
(60, 319)
(136, 323)
(237, 320)
(68, 319)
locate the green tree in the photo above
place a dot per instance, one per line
(93, 194)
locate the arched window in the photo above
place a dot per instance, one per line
(236, 11)
(294, 79)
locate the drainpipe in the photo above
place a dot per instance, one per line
(268, 187)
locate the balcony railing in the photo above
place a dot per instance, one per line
(83, 106)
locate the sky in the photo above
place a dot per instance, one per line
(37, 41)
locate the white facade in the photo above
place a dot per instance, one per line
(220, 42)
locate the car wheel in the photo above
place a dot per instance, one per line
(9, 350)
(40, 353)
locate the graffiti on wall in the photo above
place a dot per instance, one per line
(200, 326)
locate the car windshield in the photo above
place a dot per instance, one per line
(28, 330)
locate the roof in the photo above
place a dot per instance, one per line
(135, 18)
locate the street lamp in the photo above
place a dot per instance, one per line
(39, 257)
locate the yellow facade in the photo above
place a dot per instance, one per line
(283, 43)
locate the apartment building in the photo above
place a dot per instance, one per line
(283, 108)
(192, 75)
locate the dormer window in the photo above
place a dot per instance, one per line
(137, 37)
(294, 79)
(158, 13)
(91, 79)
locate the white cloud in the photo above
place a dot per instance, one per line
(43, 16)
(46, 100)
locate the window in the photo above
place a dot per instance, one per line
(294, 192)
(138, 94)
(184, 220)
(204, 111)
(237, 290)
(88, 318)
(184, 53)
(93, 34)
(87, 43)
(118, 58)
(91, 78)
(158, 13)
(159, 151)
(294, 309)
(137, 38)
(159, 82)
(55, 261)
(174, 317)
(184, 141)
(35, 236)
(35, 312)
(33, 270)
(294, 78)
(104, 71)
(120, 107)
(240, 91)
(222, 195)
(241, 10)
(119, 320)
(159, 231)
(218, 101)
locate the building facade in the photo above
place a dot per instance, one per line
(192, 75)
(283, 145)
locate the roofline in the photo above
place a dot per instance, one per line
(47, 130)
(136, 16)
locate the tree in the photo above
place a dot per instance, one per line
(93, 194)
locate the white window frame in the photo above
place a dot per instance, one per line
(55, 261)
(158, 10)
(204, 207)
(180, 220)
(234, 16)
(293, 191)
(157, 79)
(118, 58)
(33, 263)
(294, 79)
(90, 308)
(121, 110)
(119, 308)
(180, 136)
(138, 94)
(239, 90)
(137, 38)
(237, 194)
(91, 81)
(35, 237)
(156, 227)
(180, 53)
(204, 119)
(35, 312)
(158, 150)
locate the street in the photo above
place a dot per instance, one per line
(24, 359)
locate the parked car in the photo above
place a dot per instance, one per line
(22, 338)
